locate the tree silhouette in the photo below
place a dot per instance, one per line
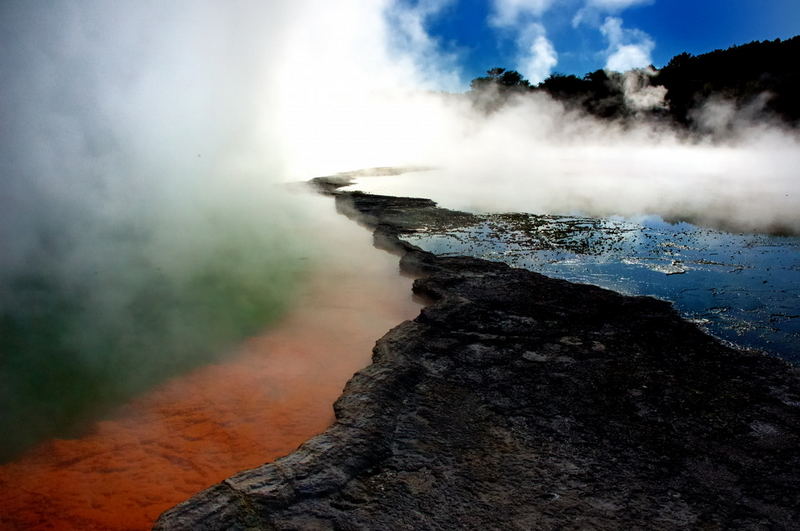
(500, 78)
(742, 74)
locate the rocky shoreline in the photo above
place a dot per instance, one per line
(519, 401)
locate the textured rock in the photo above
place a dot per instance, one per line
(519, 401)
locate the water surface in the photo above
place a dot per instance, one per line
(275, 392)
(743, 288)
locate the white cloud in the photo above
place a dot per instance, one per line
(627, 48)
(413, 42)
(537, 55)
(628, 56)
(506, 13)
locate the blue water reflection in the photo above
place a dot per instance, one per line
(743, 288)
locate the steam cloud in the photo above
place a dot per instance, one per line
(536, 54)
(627, 49)
(141, 143)
(140, 231)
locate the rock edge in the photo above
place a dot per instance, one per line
(519, 401)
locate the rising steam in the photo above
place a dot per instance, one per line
(140, 230)
(141, 142)
(376, 108)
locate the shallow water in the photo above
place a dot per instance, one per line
(743, 288)
(273, 394)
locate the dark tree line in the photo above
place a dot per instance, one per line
(740, 74)
(599, 93)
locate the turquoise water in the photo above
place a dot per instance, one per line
(742, 288)
(98, 317)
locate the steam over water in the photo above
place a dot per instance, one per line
(273, 393)
(742, 287)
(144, 231)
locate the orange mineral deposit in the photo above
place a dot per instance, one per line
(273, 394)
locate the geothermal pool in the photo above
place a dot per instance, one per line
(271, 395)
(742, 288)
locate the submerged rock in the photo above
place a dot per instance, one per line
(519, 401)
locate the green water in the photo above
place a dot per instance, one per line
(92, 320)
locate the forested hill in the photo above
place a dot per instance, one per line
(760, 73)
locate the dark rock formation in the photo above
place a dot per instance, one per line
(519, 401)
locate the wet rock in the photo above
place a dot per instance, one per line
(519, 401)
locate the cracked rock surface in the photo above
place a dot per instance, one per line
(517, 401)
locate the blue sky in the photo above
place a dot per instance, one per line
(483, 37)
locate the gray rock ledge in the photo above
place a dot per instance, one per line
(517, 401)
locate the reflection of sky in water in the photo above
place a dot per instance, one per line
(743, 288)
